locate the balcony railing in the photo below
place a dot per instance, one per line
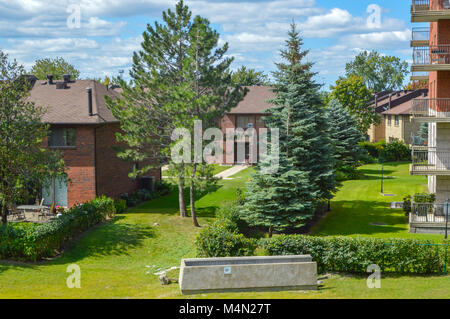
(429, 213)
(420, 34)
(432, 55)
(431, 110)
(430, 5)
(430, 161)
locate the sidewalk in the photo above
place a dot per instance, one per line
(230, 172)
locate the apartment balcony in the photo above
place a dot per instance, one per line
(430, 10)
(420, 37)
(430, 218)
(420, 76)
(430, 161)
(432, 58)
(431, 110)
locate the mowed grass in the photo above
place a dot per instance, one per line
(119, 259)
(358, 205)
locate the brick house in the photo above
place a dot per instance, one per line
(394, 109)
(247, 114)
(83, 129)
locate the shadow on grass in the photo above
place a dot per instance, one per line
(112, 239)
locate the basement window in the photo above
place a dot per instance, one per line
(62, 137)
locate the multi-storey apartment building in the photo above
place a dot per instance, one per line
(431, 54)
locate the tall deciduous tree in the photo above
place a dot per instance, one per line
(24, 163)
(380, 72)
(306, 171)
(353, 94)
(56, 67)
(180, 75)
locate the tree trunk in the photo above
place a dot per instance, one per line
(270, 231)
(192, 197)
(4, 213)
(181, 198)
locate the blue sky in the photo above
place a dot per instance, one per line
(110, 30)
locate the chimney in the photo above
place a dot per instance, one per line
(89, 92)
(398, 93)
(390, 100)
(61, 85)
(50, 79)
(67, 77)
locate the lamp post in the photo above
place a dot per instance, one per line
(382, 176)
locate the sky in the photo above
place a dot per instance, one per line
(99, 36)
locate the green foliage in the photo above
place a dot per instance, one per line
(396, 151)
(352, 93)
(374, 150)
(346, 138)
(288, 196)
(57, 67)
(24, 162)
(249, 77)
(354, 255)
(121, 206)
(380, 72)
(220, 241)
(33, 242)
(143, 195)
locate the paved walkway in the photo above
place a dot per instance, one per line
(232, 171)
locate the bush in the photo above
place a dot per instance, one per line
(396, 151)
(354, 255)
(121, 206)
(33, 241)
(374, 150)
(143, 195)
(218, 241)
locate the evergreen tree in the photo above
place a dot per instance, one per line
(346, 137)
(289, 197)
(180, 75)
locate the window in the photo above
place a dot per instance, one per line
(389, 120)
(242, 122)
(397, 120)
(54, 190)
(62, 137)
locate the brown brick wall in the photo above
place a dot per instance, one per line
(80, 163)
(112, 172)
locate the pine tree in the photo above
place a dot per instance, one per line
(180, 75)
(289, 197)
(346, 137)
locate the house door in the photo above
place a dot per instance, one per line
(55, 191)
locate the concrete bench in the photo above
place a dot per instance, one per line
(248, 274)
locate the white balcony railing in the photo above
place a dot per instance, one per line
(430, 161)
(420, 34)
(429, 213)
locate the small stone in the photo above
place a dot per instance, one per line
(319, 282)
(164, 280)
(156, 224)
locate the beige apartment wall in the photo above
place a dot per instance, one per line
(376, 133)
(394, 131)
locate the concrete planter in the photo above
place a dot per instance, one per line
(248, 274)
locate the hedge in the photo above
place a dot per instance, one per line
(354, 255)
(31, 242)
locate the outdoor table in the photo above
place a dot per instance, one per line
(31, 207)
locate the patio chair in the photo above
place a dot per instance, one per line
(46, 212)
(17, 214)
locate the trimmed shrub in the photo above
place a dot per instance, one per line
(121, 206)
(219, 241)
(36, 241)
(354, 255)
(143, 195)
(374, 150)
(396, 151)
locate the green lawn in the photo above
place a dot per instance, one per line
(359, 204)
(119, 259)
